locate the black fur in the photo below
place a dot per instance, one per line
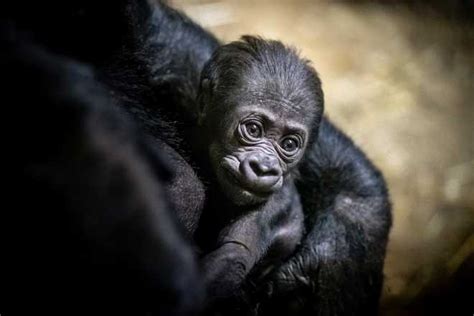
(88, 224)
(95, 179)
(338, 268)
(344, 197)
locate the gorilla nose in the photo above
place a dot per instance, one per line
(261, 171)
(266, 166)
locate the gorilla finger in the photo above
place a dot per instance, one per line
(287, 278)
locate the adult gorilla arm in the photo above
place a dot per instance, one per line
(87, 223)
(91, 221)
(148, 56)
(338, 267)
(156, 77)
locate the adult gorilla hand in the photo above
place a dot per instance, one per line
(337, 270)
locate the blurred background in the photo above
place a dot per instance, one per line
(399, 79)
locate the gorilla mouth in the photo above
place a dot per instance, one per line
(236, 180)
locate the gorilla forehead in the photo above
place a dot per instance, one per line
(269, 74)
(291, 88)
(267, 98)
(278, 110)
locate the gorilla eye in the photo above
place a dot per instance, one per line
(290, 144)
(254, 130)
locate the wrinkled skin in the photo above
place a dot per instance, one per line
(252, 167)
(264, 113)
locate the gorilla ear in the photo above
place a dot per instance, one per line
(204, 99)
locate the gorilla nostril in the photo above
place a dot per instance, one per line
(255, 166)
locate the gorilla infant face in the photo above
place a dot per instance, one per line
(258, 104)
(254, 155)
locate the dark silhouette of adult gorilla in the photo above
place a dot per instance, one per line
(104, 197)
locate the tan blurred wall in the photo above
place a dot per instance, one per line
(401, 84)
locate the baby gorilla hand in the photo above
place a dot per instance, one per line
(288, 288)
(225, 269)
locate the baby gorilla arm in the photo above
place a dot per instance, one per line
(274, 228)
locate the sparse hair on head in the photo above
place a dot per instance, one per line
(268, 66)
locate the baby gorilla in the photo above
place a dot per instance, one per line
(259, 106)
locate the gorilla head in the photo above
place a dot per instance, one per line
(258, 104)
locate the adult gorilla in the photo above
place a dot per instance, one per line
(146, 58)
